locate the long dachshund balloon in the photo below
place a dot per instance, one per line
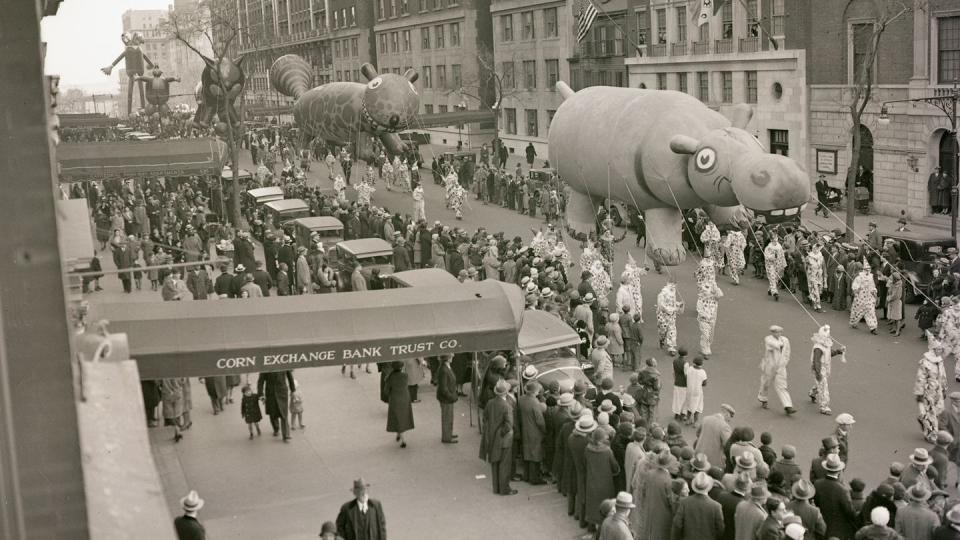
(338, 112)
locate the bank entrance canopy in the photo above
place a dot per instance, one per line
(220, 337)
(129, 159)
(542, 331)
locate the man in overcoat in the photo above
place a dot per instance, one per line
(276, 387)
(698, 517)
(532, 431)
(833, 499)
(496, 444)
(362, 518)
(447, 396)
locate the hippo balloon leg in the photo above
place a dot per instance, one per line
(664, 246)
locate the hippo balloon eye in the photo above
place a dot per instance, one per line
(375, 83)
(705, 160)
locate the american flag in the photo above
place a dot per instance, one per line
(588, 12)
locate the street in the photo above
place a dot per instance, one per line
(266, 489)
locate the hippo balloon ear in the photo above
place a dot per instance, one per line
(411, 75)
(740, 115)
(682, 144)
(369, 71)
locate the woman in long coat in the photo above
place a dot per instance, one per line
(895, 303)
(217, 390)
(171, 392)
(601, 468)
(399, 409)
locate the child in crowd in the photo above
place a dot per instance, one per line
(296, 407)
(250, 410)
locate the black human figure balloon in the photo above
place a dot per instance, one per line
(134, 60)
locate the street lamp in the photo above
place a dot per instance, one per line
(462, 106)
(947, 104)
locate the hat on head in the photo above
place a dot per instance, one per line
(698, 361)
(701, 483)
(794, 531)
(776, 328)
(664, 459)
(579, 388)
(879, 516)
(944, 438)
(586, 424)
(788, 451)
(746, 461)
(625, 500)
(758, 492)
(918, 492)
(802, 489)
(730, 410)
(498, 362)
(628, 401)
(566, 400)
(607, 406)
(896, 468)
(700, 462)
(546, 292)
(829, 442)
(833, 463)
(328, 527)
(501, 388)
(191, 502)
(920, 456)
(955, 396)
(530, 372)
(953, 515)
(845, 419)
(533, 387)
(686, 453)
(601, 342)
(240, 268)
(742, 483)
(588, 298)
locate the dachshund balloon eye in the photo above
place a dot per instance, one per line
(375, 83)
(705, 160)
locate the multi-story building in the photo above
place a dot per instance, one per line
(148, 23)
(450, 44)
(728, 60)
(598, 60)
(532, 40)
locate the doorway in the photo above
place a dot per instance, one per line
(865, 173)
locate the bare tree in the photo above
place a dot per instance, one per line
(492, 84)
(216, 22)
(884, 13)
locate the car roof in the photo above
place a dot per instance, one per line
(287, 204)
(366, 246)
(929, 238)
(319, 222)
(424, 277)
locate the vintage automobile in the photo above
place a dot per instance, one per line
(918, 252)
(278, 213)
(369, 252)
(421, 277)
(542, 175)
(328, 228)
(550, 345)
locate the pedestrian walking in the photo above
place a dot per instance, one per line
(296, 406)
(708, 296)
(274, 388)
(773, 366)
(250, 410)
(187, 526)
(733, 247)
(399, 408)
(864, 300)
(362, 518)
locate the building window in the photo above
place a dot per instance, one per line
(393, 8)
(438, 36)
(455, 34)
(603, 78)
(526, 19)
(382, 42)
(346, 75)
(456, 72)
(509, 77)
(550, 27)
(550, 114)
(726, 16)
(681, 24)
(727, 77)
(703, 86)
(443, 109)
(751, 79)
(862, 36)
(682, 82)
(353, 16)
(643, 27)
(948, 49)
(661, 26)
(777, 18)
(381, 10)
(442, 77)
(532, 127)
(780, 142)
(530, 74)
(620, 79)
(424, 38)
(336, 49)
(661, 81)
(406, 40)
(423, 7)
(453, 3)
(553, 73)
(404, 7)
(428, 109)
(427, 76)
(355, 46)
(394, 42)
(336, 19)
(600, 41)
(356, 74)
(339, 75)
(751, 18)
(511, 116)
(506, 22)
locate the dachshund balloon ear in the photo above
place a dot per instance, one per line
(740, 115)
(411, 75)
(369, 71)
(210, 63)
(238, 60)
(682, 144)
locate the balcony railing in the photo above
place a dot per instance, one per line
(749, 44)
(700, 47)
(600, 49)
(678, 49)
(723, 46)
(658, 49)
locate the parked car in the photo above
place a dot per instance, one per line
(369, 252)
(918, 252)
(278, 213)
(563, 365)
(328, 228)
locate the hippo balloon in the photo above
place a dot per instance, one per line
(339, 112)
(663, 152)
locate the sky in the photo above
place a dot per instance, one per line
(84, 36)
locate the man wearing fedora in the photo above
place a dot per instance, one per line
(713, 432)
(698, 517)
(496, 443)
(810, 516)
(833, 498)
(773, 368)
(729, 500)
(917, 521)
(919, 470)
(533, 429)
(617, 525)
(751, 513)
(187, 525)
(951, 529)
(447, 396)
(361, 518)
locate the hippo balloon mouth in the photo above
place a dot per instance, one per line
(378, 126)
(780, 215)
(720, 180)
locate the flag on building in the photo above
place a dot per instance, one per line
(708, 8)
(588, 13)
